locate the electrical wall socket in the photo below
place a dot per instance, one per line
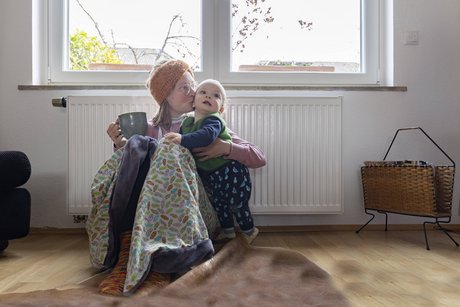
(411, 38)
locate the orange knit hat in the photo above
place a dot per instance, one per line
(163, 79)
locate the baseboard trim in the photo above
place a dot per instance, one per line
(287, 228)
(374, 227)
(53, 230)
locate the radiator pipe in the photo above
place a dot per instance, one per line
(59, 102)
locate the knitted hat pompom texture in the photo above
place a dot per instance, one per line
(163, 80)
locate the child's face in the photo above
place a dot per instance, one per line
(208, 98)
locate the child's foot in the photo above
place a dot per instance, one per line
(224, 236)
(249, 236)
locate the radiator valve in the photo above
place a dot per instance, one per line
(59, 102)
(77, 219)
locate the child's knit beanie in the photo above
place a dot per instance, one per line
(163, 79)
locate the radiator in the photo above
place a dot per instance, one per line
(89, 145)
(300, 136)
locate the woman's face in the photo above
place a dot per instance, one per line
(181, 97)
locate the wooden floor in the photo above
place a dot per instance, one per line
(372, 268)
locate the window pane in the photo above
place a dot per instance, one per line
(308, 41)
(132, 35)
(296, 35)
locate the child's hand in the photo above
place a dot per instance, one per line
(172, 137)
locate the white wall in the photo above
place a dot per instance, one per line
(431, 71)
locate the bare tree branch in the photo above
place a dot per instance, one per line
(249, 22)
(95, 23)
(174, 41)
(175, 17)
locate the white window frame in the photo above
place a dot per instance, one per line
(369, 55)
(216, 53)
(57, 43)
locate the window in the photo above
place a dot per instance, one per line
(261, 42)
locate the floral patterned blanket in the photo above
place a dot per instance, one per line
(173, 220)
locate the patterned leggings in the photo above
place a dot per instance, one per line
(229, 190)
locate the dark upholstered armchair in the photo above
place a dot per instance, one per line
(15, 170)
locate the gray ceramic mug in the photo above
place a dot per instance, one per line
(133, 123)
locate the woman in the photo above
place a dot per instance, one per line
(175, 100)
(148, 219)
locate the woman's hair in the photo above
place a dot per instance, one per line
(161, 82)
(163, 117)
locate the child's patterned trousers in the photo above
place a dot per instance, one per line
(229, 189)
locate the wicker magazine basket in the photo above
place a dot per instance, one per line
(409, 187)
(422, 190)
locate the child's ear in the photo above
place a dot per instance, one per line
(222, 109)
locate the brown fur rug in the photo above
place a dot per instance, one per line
(238, 275)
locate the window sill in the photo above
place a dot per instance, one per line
(350, 88)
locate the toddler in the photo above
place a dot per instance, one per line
(227, 182)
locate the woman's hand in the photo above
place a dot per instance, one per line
(172, 137)
(115, 135)
(217, 149)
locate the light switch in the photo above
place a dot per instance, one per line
(411, 38)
